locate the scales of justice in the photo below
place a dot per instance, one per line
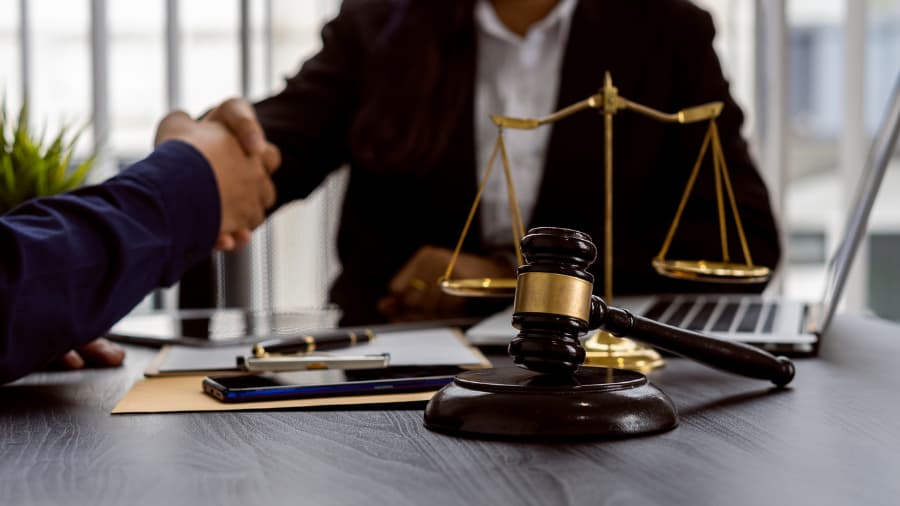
(548, 393)
(603, 348)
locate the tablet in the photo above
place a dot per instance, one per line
(328, 383)
(218, 327)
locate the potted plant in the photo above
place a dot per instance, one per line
(31, 168)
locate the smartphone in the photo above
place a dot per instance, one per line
(328, 383)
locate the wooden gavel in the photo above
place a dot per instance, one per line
(555, 305)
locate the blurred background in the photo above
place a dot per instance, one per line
(812, 76)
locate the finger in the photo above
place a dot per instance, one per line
(271, 157)
(400, 282)
(255, 217)
(267, 193)
(239, 117)
(242, 238)
(431, 302)
(422, 270)
(72, 360)
(413, 300)
(387, 305)
(170, 126)
(102, 352)
(408, 316)
(225, 243)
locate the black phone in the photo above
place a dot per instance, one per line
(328, 383)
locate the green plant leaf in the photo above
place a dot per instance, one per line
(26, 166)
(9, 183)
(3, 125)
(22, 122)
(56, 170)
(32, 168)
(77, 177)
(7, 176)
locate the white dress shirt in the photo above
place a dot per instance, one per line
(516, 76)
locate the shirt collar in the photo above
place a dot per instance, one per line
(486, 19)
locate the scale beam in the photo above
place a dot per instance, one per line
(694, 114)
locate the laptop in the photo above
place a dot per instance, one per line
(773, 323)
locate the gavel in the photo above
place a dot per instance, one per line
(549, 393)
(555, 305)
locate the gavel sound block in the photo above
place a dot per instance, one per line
(549, 394)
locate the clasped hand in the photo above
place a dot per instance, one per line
(231, 140)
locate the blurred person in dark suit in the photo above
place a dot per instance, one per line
(401, 91)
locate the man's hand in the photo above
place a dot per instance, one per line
(414, 291)
(245, 192)
(238, 116)
(245, 189)
(97, 353)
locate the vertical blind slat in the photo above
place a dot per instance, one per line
(99, 75)
(173, 55)
(25, 49)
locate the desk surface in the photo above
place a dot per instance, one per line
(833, 438)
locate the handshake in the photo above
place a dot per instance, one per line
(232, 141)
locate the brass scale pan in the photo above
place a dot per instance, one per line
(712, 272)
(479, 287)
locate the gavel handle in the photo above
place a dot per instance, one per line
(738, 358)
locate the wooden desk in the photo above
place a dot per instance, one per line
(834, 438)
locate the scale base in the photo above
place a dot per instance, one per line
(606, 350)
(517, 403)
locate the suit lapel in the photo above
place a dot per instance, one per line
(598, 42)
(456, 180)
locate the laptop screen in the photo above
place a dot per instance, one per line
(855, 228)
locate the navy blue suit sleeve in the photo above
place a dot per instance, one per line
(74, 264)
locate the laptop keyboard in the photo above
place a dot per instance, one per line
(698, 322)
(780, 325)
(770, 319)
(726, 317)
(750, 318)
(715, 315)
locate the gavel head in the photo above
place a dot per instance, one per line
(553, 300)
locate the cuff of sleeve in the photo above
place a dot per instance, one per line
(189, 195)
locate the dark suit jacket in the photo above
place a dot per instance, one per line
(659, 53)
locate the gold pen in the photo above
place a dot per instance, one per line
(327, 340)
